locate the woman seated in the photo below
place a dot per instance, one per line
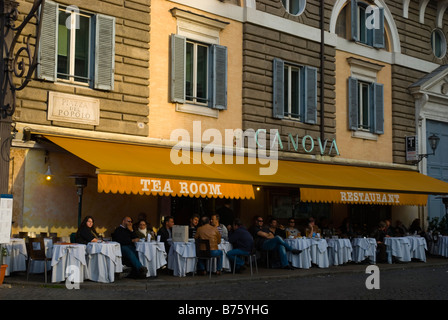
(86, 232)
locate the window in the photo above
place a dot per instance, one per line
(77, 47)
(438, 43)
(295, 7)
(366, 106)
(198, 73)
(294, 92)
(367, 24)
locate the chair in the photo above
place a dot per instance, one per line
(204, 254)
(53, 234)
(251, 255)
(43, 234)
(23, 234)
(36, 251)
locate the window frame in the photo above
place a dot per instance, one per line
(373, 37)
(442, 45)
(194, 98)
(302, 6)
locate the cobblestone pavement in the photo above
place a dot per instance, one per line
(397, 282)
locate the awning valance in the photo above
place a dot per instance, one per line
(362, 197)
(143, 161)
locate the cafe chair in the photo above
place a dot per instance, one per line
(43, 234)
(203, 252)
(36, 252)
(251, 256)
(23, 234)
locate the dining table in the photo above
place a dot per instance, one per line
(443, 246)
(151, 255)
(103, 261)
(319, 252)
(339, 251)
(418, 247)
(16, 255)
(364, 249)
(302, 260)
(398, 247)
(182, 258)
(69, 262)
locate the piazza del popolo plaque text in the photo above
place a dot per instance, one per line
(73, 108)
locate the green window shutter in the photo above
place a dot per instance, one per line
(354, 20)
(352, 104)
(310, 100)
(278, 88)
(378, 34)
(378, 96)
(219, 77)
(178, 51)
(104, 52)
(47, 54)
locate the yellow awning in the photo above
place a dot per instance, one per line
(143, 161)
(362, 197)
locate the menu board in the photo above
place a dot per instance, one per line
(5, 217)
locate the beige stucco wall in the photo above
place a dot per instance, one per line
(356, 148)
(163, 117)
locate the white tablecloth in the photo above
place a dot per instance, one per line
(225, 247)
(152, 255)
(319, 254)
(302, 260)
(182, 258)
(69, 260)
(103, 260)
(399, 247)
(339, 251)
(418, 246)
(443, 246)
(17, 255)
(364, 248)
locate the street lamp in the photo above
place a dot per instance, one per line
(19, 63)
(80, 183)
(433, 143)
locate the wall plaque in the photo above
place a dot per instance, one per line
(73, 108)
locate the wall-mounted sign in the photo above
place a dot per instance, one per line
(5, 217)
(73, 108)
(411, 148)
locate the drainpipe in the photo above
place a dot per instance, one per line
(322, 70)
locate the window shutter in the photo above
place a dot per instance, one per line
(219, 77)
(378, 96)
(310, 95)
(278, 88)
(354, 20)
(47, 55)
(104, 52)
(378, 34)
(352, 104)
(178, 51)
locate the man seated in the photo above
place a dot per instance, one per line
(242, 243)
(210, 233)
(265, 240)
(125, 236)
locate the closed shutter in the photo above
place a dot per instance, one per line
(178, 51)
(352, 104)
(378, 33)
(104, 52)
(310, 95)
(354, 20)
(219, 77)
(278, 88)
(378, 95)
(47, 54)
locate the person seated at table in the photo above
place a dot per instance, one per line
(242, 244)
(86, 232)
(193, 227)
(312, 229)
(415, 228)
(126, 237)
(165, 232)
(214, 221)
(379, 235)
(389, 230)
(291, 230)
(143, 231)
(210, 233)
(400, 229)
(347, 228)
(277, 229)
(265, 240)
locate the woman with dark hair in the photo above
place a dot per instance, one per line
(86, 232)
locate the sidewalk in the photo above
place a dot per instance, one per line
(164, 279)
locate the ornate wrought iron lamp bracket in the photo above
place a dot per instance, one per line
(20, 63)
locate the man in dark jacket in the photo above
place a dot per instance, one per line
(125, 236)
(242, 242)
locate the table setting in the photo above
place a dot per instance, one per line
(103, 261)
(339, 251)
(152, 255)
(364, 248)
(69, 261)
(16, 255)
